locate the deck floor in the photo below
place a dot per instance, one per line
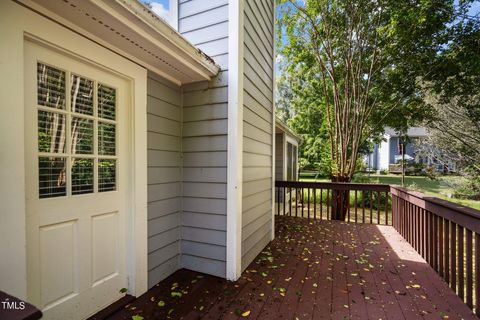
(312, 270)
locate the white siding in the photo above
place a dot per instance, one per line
(257, 128)
(164, 178)
(204, 142)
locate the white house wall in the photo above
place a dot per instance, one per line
(164, 115)
(257, 128)
(205, 108)
(384, 154)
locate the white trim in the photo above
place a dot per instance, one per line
(291, 140)
(235, 140)
(15, 22)
(145, 27)
(174, 13)
(285, 156)
(272, 236)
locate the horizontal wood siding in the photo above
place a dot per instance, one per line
(257, 128)
(204, 142)
(164, 178)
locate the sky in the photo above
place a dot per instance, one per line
(161, 8)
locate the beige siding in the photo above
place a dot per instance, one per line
(204, 142)
(164, 178)
(257, 128)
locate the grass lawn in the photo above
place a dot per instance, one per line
(441, 188)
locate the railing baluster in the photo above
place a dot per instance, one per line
(328, 204)
(453, 256)
(308, 202)
(315, 203)
(477, 274)
(417, 227)
(429, 238)
(348, 205)
(411, 225)
(371, 206)
(302, 198)
(461, 270)
(414, 225)
(422, 232)
(407, 222)
(386, 208)
(378, 207)
(321, 204)
(363, 206)
(290, 201)
(469, 270)
(296, 202)
(440, 246)
(284, 200)
(446, 250)
(356, 205)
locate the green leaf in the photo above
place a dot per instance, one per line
(123, 290)
(161, 303)
(176, 294)
(137, 317)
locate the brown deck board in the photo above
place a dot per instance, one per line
(314, 269)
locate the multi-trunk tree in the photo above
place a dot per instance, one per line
(365, 61)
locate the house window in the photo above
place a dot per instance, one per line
(294, 160)
(291, 159)
(77, 134)
(289, 162)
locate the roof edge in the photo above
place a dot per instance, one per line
(166, 31)
(282, 125)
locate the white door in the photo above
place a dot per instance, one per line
(77, 165)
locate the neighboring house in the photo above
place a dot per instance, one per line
(388, 153)
(131, 149)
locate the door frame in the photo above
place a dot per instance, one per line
(17, 25)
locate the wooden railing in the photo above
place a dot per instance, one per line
(365, 203)
(445, 234)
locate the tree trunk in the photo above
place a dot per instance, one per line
(340, 199)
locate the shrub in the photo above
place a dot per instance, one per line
(470, 189)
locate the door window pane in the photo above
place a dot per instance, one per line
(50, 87)
(81, 95)
(106, 102)
(52, 177)
(82, 176)
(51, 132)
(107, 175)
(82, 130)
(82, 136)
(106, 139)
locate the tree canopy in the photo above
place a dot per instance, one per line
(350, 68)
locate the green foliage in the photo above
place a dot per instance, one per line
(469, 189)
(350, 68)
